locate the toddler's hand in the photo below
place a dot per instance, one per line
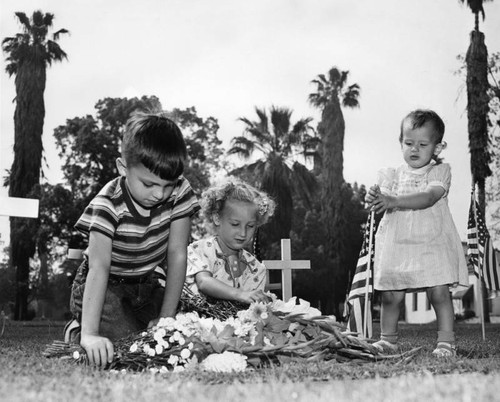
(382, 203)
(99, 349)
(372, 194)
(253, 296)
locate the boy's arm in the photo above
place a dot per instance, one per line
(180, 230)
(99, 349)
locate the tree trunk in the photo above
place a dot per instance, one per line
(332, 134)
(25, 172)
(477, 113)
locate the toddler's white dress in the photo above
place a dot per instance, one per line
(418, 248)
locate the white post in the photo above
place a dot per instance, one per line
(19, 207)
(286, 264)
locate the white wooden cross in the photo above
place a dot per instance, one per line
(286, 264)
(19, 207)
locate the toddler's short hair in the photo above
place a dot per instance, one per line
(154, 140)
(214, 198)
(420, 117)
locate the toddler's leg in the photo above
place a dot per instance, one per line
(389, 315)
(440, 299)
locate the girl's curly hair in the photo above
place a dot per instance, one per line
(214, 198)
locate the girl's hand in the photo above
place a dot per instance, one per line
(372, 194)
(383, 203)
(99, 349)
(253, 296)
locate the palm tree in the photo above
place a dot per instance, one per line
(477, 102)
(332, 91)
(29, 53)
(476, 60)
(277, 172)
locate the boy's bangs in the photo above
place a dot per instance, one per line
(167, 167)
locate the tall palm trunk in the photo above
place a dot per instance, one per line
(477, 113)
(25, 171)
(332, 132)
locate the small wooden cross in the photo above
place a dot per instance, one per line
(286, 264)
(19, 207)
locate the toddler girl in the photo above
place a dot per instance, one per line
(219, 266)
(417, 245)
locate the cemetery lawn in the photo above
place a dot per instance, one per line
(25, 375)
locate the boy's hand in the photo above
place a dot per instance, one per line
(99, 349)
(153, 323)
(253, 296)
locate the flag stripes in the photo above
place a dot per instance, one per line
(480, 249)
(361, 290)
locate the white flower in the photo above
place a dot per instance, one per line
(225, 362)
(178, 368)
(181, 341)
(163, 370)
(159, 349)
(185, 353)
(190, 345)
(76, 355)
(291, 307)
(173, 360)
(149, 350)
(167, 323)
(153, 370)
(134, 347)
(159, 334)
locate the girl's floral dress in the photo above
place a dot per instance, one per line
(206, 255)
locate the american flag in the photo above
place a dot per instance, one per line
(355, 305)
(479, 248)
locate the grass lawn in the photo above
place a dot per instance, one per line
(474, 374)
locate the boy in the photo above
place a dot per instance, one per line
(138, 221)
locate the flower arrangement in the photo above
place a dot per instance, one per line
(276, 331)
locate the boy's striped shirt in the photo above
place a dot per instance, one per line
(139, 243)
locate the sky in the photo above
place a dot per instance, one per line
(225, 57)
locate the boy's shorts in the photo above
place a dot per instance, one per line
(130, 304)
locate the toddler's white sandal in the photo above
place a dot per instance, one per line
(386, 346)
(445, 349)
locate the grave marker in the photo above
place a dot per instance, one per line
(286, 264)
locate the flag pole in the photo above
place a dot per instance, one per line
(368, 274)
(480, 266)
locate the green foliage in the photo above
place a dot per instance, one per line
(7, 288)
(326, 285)
(275, 141)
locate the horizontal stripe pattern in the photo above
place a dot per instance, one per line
(480, 249)
(139, 243)
(363, 277)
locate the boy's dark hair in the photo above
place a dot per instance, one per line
(419, 117)
(155, 141)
